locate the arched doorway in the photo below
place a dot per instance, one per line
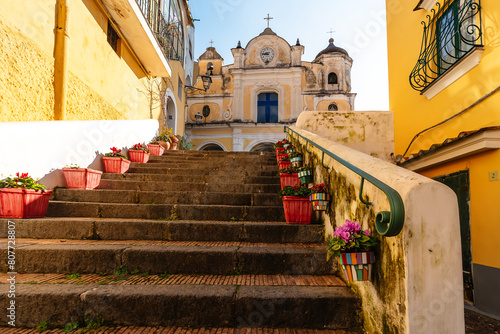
(212, 147)
(171, 121)
(263, 147)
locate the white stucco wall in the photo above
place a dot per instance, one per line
(42, 148)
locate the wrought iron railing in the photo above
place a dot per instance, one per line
(452, 31)
(166, 30)
(388, 223)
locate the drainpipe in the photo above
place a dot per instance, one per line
(61, 59)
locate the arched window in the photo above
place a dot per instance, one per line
(212, 147)
(210, 68)
(264, 147)
(332, 79)
(333, 107)
(267, 108)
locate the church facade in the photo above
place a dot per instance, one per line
(267, 86)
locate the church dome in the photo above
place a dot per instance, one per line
(332, 49)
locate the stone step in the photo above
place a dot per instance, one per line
(333, 307)
(165, 211)
(191, 330)
(212, 154)
(129, 229)
(165, 197)
(158, 257)
(273, 188)
(247, 170)
(265, 178)
(207, 159)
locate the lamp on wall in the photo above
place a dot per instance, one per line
(198, 118)
(206, 79)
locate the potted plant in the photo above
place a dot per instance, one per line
(23, 197)
(296, 203)
(296, 159)
(155, 148)
(354, 249)
(164, 138)
(138, 153)
(279, 145)
(289, 176)
(319, 197)
(290, 149)
(174, 142)
(305, 174)
(115, 161)
(81, 178)
(284, 162)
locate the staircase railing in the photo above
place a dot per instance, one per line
(388, 223)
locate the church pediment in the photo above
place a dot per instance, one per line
(267, 50)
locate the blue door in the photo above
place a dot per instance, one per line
(267, 108)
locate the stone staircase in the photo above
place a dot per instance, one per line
(192, 239)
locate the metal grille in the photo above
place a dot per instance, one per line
(451, 32)
(167, 27)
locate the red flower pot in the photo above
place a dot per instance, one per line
(298, 210)
(284, 164)
(289, 180)
(138, 156)
(82, 178)
(23, 203)
(280, 150)
(156, 149)
(281, 156)
(115, 165)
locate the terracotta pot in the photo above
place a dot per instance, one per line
(357, 266)
(174, 145)
(23, 203)
(156, 149)
(115, 165)
(320, 201)
(82, 178)
(164, 144)
(289, 180)
(298, 210)
(284, 164)
(138, 156)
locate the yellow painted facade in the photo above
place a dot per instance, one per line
(465, 97)
(93, 80)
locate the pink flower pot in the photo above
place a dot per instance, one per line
(298, 210)
(82, 178)
(23, 203)
(138, 156)
(357, 266)
(289, 180)
(115, 165)
(156, 149)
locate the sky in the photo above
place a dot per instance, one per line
(359, 27)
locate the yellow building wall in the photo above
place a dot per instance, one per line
(342, 105)
(226, 142)
(198, 108)
(414, 112)
(288, 101)
(100, 83)
(484, 208)
(178, 73)
(247, 114)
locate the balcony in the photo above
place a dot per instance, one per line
(451, 45)
(143, 26)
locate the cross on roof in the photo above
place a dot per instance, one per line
(211, 42)
(330, 32)
(268, 18)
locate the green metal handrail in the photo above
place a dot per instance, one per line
(388, 223)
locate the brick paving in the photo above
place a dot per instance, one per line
(179, 330)
(27, 241)
(177, 279)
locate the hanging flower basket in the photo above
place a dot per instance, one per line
(289, 180)
(138, 156)
(23, 203)
(284, 164)
(298, 210)
(156, 149)
(81, 178)
(115, 165)
(285, 146)
(320, 201)
(357, 266)
(290, 150)
(306, 176)
(296, 162)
